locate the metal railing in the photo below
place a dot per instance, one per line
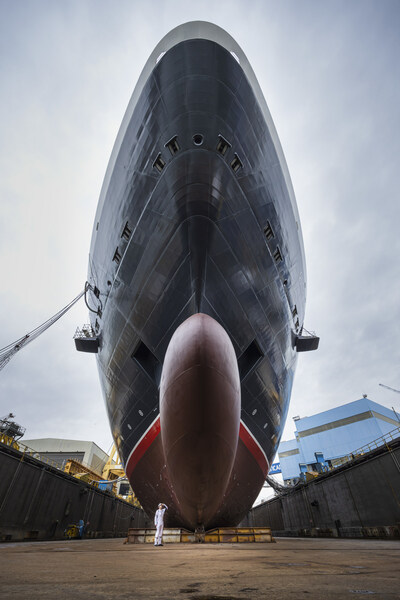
(383, 440)
(84, 476)
(27, 451)
(390, 436)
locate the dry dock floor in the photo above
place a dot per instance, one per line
(291, 568)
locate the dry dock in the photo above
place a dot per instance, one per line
(292, 568)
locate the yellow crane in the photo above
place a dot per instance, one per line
(113, 469)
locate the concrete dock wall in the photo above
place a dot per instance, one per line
(38, 501)
(360, 499)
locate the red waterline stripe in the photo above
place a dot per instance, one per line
(143, 444)
(251, 444)
(150, 435)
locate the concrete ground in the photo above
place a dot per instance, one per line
(291, 568)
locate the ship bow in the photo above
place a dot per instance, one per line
(200, 416)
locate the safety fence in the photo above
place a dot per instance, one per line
(26, 451)
(383, 440)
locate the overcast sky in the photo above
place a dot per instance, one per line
(329, 71)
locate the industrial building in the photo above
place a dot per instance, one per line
(58, 451)
(327, 436)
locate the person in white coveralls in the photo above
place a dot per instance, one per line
(159, 523)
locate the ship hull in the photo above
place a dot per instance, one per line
(197, 217)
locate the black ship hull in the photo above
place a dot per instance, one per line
(197, 217)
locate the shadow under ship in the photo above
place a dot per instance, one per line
(197, 279)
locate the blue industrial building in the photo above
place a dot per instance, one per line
(332, 434)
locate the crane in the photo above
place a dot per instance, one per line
(389, 388)
(393, 390)
(9, 351)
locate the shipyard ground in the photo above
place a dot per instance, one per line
(290, 568)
